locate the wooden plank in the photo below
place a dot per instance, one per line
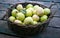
(54, 8)
(4, 6)
(6, 36)
(50, 33)
(2, 13)
(55, 22)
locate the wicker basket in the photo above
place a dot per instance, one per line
(30, 29)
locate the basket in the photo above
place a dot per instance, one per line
(31, 29)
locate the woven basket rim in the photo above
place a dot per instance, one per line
(35, 24)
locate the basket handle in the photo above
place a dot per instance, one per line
(50, 7)
(4, 17)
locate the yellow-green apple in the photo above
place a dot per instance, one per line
(35, 22)
(40, 11)
(29, 5)
(28, 20)
(19, 7)
(12, 18)
(14, 12)
(36, 6)
(43, 18)
(17, 22)
(28, 12)
(20, 16)
(35, 17)
(46, 11)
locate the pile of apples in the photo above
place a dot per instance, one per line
(29, 14)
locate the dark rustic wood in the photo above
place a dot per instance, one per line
(6, 36)
(52, 31)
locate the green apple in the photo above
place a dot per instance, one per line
(19, 7)
(46, 11)
(29, 5)
(35, 17)
(28, 20)
(14, 12)
(31, 9)
(17, 22)
(36, 6)
(20, 16)
(40, 11)
(43, 18)
(35, 22)
(28, 12)
(12, 18)
(34, 12)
